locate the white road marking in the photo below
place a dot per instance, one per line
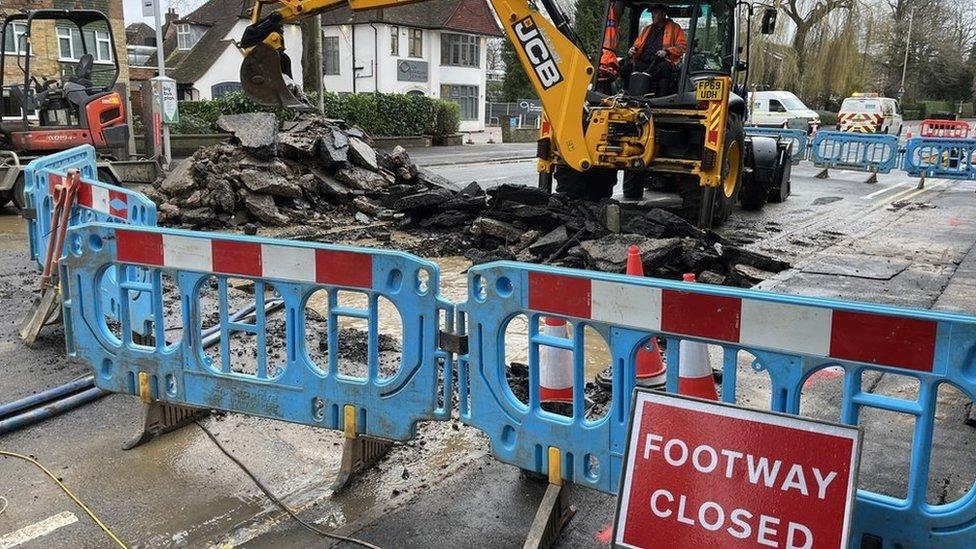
(882, 191)
(37, 530)
(907, 194)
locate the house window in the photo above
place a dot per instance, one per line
(224, 88)
(103, 46)
(395, 41)
(415, 42)
(465, 96)
(462, 50)
(330, 58)
(186, 36)
(97, 43)
(12, 42)
(66, 50)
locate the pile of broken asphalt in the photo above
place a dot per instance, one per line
(316, 172)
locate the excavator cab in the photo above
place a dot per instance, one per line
(77, 106)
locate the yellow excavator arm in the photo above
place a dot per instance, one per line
(559, 71)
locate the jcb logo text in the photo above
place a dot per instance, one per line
(538, 53)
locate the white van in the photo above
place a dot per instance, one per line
(775, 109)
(870, 113)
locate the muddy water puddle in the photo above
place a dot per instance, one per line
(13, 230)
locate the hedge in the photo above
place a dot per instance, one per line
(377, 113)
(929, 108)
(827, 118)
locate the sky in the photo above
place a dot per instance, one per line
(132, 9)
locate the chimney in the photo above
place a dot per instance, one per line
(171, 16)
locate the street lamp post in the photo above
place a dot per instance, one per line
(908, 43)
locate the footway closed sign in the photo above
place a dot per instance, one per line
(704, 474)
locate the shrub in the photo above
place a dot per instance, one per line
(376, 113)
(448, 118)
(827, 118)
(190, 124)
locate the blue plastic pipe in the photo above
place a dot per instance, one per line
(46, 396)
(86, 385)
(55, 408)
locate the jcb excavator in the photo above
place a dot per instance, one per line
(690, 140)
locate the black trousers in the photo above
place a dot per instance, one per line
(659, 79)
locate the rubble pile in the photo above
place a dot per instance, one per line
(529, 224)
(317, 171)
(298, 173)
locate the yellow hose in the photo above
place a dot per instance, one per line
(70, 495)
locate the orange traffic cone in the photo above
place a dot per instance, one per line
(555, 365)
(694, 366)
(650, 368)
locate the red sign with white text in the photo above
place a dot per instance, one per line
(707, 474)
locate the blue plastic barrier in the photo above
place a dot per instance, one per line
(296, 389)
(797, 137)
(95, 201)
(940, 157)
(877, 153)
(791, 337)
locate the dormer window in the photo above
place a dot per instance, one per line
(188, 35)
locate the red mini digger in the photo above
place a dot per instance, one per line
(77, 107)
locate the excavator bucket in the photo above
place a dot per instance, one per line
(263, 78)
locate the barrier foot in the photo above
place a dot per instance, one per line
(824, 174)
(873, 178)
(970, 411)
(45, 310)
(358, 454)
(553, 514)
(161, 418)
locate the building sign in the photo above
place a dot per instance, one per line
(527, 107)
(707, 474)
(409, 70)
(164, 88)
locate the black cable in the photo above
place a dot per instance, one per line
(277, 501)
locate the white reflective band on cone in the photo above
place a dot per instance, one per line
(555, 365)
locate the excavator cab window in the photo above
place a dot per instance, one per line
(713, 28)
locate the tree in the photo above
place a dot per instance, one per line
(805, 21)
(516, 84)
(309, 74)
(588, 22)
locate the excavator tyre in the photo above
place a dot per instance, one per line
(763, 172)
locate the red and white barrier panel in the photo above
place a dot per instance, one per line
(953, 129)
(100, 199)
(886, 340)
(255, 259)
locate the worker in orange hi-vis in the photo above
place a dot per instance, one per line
(609, 69)
(657, 52)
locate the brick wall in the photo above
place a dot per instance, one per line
(44, 40)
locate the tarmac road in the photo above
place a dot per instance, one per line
(913, 247)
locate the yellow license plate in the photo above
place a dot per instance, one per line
(710, 90)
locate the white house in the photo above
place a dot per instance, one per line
(200, 51)
(436, 48)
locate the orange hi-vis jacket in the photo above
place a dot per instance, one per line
(674, 41)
